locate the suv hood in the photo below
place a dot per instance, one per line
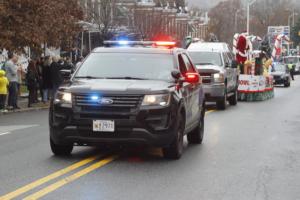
(212, 69)
(277, 73)
(115, 86)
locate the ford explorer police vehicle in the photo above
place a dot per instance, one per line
(148, 95)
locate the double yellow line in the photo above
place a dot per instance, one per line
(61, 182)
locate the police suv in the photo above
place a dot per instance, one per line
(143, 93)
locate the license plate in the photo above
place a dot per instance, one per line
(103, 126)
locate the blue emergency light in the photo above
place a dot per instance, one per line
(94, 97)
(123, 42)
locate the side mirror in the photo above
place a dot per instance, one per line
(66, 73)
(234, 64)
(176, 74)
(192, 78)
(227, 65)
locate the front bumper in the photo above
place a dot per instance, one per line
(143, 127)
(280, 81)
(214, 92)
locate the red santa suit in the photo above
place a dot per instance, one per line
(242, 47)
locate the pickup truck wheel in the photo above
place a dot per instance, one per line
(174, 151)
(233, 99)
(221, 104)
(196, 136)
(287, 84)
(61, 150)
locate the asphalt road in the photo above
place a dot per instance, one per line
(251, 151)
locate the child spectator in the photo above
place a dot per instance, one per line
(3, 90)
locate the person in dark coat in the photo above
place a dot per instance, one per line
(56, 75)
(69, 65)
(39, 67)
(32, 82)
(47, 79)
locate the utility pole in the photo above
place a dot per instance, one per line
(249, 3)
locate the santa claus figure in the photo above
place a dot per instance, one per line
(242, 47)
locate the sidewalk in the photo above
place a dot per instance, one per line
(23, 104)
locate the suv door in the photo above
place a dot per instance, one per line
(185, 91)
(194, 90)
(229, 72)
(235, 72)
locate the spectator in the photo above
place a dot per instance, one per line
(12, 76)
(32, 82)
(57, 78)
(39, 68)
(292, 70)
(69, 65)
(79, 62)
(46, 79)
(3, 90)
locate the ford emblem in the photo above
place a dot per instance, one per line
(105, 101)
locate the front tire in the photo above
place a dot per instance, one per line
(221, 104)
(60, 150)
(287, 84)
(174, 151)
(233, 99)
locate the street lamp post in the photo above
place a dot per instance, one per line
(249, 3)
(292, 16)
(293, 19)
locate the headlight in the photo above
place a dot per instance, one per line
(156, 100)
(63, 97)
(219, 77)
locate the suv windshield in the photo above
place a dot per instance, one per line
(127, 66)
(206, 58)
(279, 68)
(289, 60)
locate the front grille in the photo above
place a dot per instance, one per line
(206, 78)
(277, 77)
(120, 104)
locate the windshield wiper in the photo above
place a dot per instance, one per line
(127, 78)
(89, 77)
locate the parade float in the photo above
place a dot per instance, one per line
(255, 81)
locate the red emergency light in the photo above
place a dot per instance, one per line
(166, 44)
(192, 77)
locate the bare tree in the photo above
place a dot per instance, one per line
(223, 19)
(102, 13)
(266, 14)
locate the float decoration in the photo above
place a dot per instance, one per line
(278, 46)
(255, 83)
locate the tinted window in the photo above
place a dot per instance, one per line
(206, 58)
(230, 56)
(225, 57)
(145, 66)
(188, 64)
(182, 66)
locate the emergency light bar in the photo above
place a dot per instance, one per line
(125, 43)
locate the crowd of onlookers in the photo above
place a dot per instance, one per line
(42, 78)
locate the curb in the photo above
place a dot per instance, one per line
(25, 110)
